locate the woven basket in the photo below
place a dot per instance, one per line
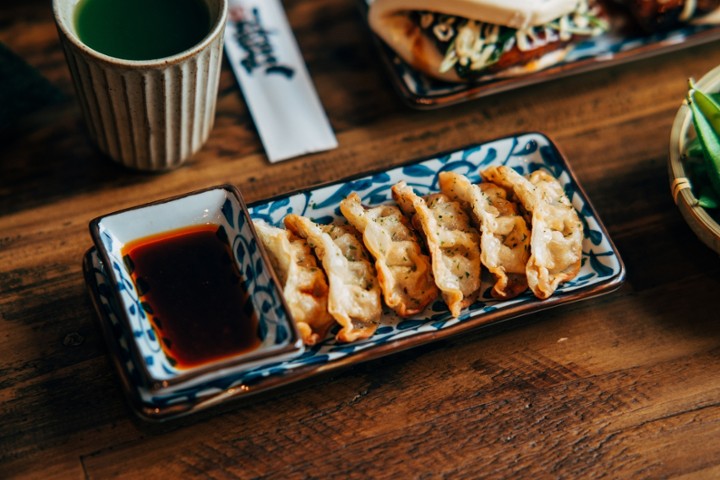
(704, 226)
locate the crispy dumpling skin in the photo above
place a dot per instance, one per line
(403, 270)
(304, 286)
(504, 235)
(453, 243)
(557, 234)
(354, 297)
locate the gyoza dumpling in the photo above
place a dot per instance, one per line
(304, 286)
(504, 235)
(354, 297)
(453, 243)
(557, 234)
(403, 270)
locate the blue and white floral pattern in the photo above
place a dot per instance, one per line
(220, 207)
(601, 271)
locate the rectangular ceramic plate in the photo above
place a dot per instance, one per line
(613, 48)
(602, 271)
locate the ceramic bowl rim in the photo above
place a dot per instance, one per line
(216, 30)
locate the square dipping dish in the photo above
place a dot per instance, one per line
(193, 290)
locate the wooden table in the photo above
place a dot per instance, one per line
(623, 386)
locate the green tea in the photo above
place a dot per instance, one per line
(141, 29)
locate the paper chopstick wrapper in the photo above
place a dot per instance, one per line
(275, 82)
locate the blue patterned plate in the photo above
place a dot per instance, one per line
(613, 48)
(602, 271)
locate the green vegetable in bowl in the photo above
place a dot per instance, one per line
(706, 119)
(694, 160)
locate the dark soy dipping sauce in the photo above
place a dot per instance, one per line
(194, 294)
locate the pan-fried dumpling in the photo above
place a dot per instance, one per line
(402, 268)
(354, 297)
(504, 235)
(304, 286)
(557, 234)
(453, 243)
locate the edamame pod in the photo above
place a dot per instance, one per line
(706, 119)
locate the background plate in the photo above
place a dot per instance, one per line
(602, 271)
(620, 45)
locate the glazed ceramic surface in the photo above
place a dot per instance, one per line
(149, 114)
(602, 271)
(219, 206)
(613, 48)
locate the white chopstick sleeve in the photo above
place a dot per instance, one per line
(274, 80)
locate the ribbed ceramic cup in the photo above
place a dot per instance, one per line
(149, 114)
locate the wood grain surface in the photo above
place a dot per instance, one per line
(621, 386)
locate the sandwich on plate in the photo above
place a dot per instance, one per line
(465, 40)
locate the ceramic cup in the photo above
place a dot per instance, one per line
(151, 114)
